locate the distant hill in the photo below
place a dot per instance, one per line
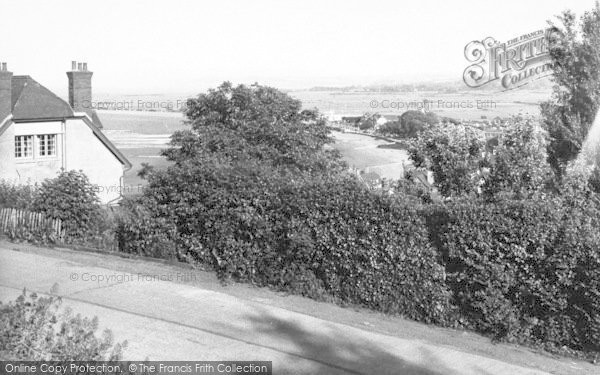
(441, 87)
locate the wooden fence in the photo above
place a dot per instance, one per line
(12, 220)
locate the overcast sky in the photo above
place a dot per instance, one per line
(183, 46)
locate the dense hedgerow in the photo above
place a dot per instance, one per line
(138, 232)
(325, 237)
(524, 270)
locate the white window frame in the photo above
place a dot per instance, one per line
(20, 142)
(36, 141)
(45, 139)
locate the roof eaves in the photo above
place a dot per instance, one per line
(5, 123)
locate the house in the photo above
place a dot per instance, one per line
(41, 134)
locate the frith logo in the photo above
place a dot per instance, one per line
(514, 63)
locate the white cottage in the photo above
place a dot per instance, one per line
(41, 134)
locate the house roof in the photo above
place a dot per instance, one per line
(31, 101)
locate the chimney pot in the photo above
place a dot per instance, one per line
(73, 65)
(79, 66)
(4, 67)
(85, 66)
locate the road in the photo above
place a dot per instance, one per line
(172, 312)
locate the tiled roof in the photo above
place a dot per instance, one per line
(31, 101)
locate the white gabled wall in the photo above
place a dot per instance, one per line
(84, 151)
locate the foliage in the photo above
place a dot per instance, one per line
(256, 122)
(410, 124)
(138, 232)
(463, 163)
(368, 121)
(525, 270)
(575, 53)
(71, 198)
(517, 167)
(16, 196)
(454, 154)
(326, 237)
(253, 194)
(35, 328)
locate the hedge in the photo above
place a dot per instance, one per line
(326, 237)
(526, 270)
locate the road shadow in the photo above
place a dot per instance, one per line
(331, 351)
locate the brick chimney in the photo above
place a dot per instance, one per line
(80, 88)
(5, 92)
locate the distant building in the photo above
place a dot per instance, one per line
(41, 134)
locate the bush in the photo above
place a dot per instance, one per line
(325, 237)
(16, 196)
(524, 270)
(362, 247)
(33, 328)
(139, 233)
(71, 198)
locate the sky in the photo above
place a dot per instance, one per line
(181, 46)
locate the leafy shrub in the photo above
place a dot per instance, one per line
(454, 154)
(524, 270)
(71, 198)
(39, 235)
(16, 196)
(138, 232)
(325, 237)
(34, 328)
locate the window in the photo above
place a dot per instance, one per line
(43, 147)
(24, 146)
(47, 145)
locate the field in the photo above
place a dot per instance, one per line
(465, 105)
(141, 135)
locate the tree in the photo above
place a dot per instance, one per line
(575, 54)
(463, 165)
(368, 121)
(453, 153)
(254, 122)
(517, 167)
(410, 124)
(244, 145)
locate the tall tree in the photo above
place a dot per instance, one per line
(575, 53)
(243, 123)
